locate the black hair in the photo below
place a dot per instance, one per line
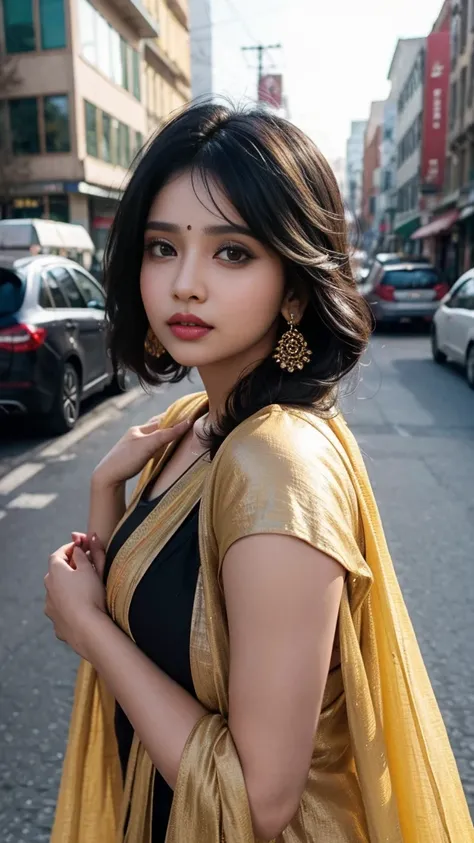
(285, 191)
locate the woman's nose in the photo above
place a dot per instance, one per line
(188, 284)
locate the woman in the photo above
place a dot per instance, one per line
(249, 668)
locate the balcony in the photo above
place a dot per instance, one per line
(179, 11)
(157, 54)
(135, 14)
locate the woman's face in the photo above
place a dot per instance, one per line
(199, 269)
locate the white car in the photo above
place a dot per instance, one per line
(452, 333)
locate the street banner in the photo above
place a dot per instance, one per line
(270, 89)
(435, 111)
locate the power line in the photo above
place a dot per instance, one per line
(261, 49)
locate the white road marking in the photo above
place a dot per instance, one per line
(59, 446)
(18, 476)
(129, 397)
(2, 514)
(26, 501)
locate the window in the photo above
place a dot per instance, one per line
(464, 298)
(106, 138)
(471, 81)
(56, 123)
(88, 31)
(104, 56)
(53, 30)
(116, 57)
(57, 295)
(24, 126)
(123, 152)
(453, 105)
(136, 74)
(19, 27)
(59, 208)
(463, 34)
(91, 129)
(45, 298)
(462, 94)
(67, 285)
(124, 50)
(91, 291)
(138, 143)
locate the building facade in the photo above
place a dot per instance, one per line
(371, 177)
(201, 48)
(388, 177)
(407, 74)
(91, 80)
(355, 168)
(459, 181)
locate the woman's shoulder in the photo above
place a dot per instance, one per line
(282, 435)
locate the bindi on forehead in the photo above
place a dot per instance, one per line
(189, 227)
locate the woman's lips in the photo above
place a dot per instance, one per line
(189, 332)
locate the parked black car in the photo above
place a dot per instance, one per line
(53, 339)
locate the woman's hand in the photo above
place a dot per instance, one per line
(74, 595)
(134, 450)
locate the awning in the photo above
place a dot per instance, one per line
(466, 212)
(406, 229)
(438, 225)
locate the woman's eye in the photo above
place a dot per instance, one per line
(160, 249)
(234, 254)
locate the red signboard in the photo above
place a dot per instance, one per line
(270, 89)
(435, 111)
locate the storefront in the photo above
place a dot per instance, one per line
(439, 241)
(403, 234)
(39, 200)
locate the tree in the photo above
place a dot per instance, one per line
(13, 169)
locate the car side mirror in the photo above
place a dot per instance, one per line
(95, 305)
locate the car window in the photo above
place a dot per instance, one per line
(464, 297)
(67, 286)
(12, 292)
(56, 291)
(411, 279)
(89, 289)
(45, 298)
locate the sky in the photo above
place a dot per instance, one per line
(335, 55)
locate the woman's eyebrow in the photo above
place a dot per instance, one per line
(228, 229)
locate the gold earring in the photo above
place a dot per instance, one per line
(292, 351)
(153, 346)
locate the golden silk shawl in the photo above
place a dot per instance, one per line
(382, 768)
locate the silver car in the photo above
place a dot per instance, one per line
(404, 292)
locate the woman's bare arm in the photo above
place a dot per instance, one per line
(283, 601)
(106, 508)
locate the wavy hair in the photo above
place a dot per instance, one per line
(285, 191)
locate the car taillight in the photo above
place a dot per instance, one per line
(441, 290)
(385, 292)
(21, 338)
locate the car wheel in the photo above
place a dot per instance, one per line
(120, 382)
(470, 366)
(438, 355)
(68, 400)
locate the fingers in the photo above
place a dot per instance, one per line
(167, 433)
(80, 540)
(97, 554)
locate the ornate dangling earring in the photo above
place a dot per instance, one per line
(292, 351)
(153, 346)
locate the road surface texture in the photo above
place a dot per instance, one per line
(415, 424)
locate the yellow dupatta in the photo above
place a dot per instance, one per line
(394, 780)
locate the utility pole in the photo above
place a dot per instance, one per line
(261, 49)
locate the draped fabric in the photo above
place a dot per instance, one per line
(382, 768)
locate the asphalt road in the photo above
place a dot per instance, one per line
(415, 424)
